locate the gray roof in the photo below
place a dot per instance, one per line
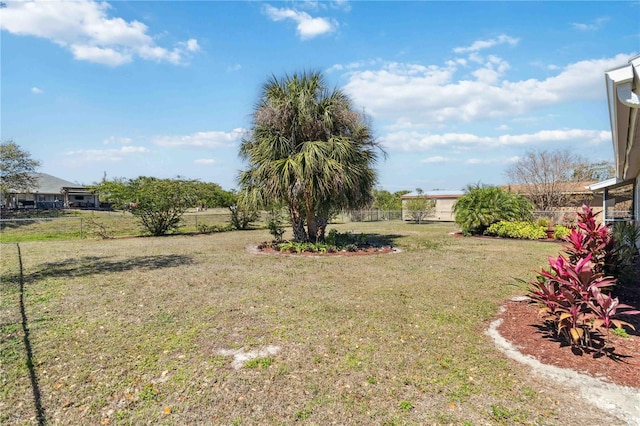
(48, 184)
(438, 193)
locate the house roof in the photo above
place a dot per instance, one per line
(623, 94)
(439, 193)
(47, 184)
(563, 187)
(608, 184)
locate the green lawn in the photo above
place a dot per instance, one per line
(148, 330)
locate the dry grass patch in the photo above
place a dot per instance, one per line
(146, 330)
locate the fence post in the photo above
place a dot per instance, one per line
(80, 228)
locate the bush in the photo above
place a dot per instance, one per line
(625, 235)
(575, 293)
(275, 223)
(242, 217)
(520, 230)
(203, 228)
(482, 206)
(561, 232)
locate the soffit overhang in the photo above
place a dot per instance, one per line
(623, 89)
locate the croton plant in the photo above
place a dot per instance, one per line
(574, 293)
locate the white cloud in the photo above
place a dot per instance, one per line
(341, 4)
(111, 155)
(212, 139)
(308, 26)
(436, 159)
(85, 28)
(485, 44)
(236, 67)
(433, 94)
(37, 90)
(416, 141)
(192, 45)
(205, 161)
(353, 65)
(590, 26)
(117, 140)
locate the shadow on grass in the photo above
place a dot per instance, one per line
(37, 399)
(384, 240)
(91, 265)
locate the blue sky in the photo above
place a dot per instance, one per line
(456, 90)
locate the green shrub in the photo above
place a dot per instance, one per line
(625, 235)
(561, 232)
(520, 230)
(482, 206)
(275, 223)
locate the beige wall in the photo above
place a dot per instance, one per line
(443, 211)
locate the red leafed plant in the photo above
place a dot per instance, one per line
(574, 292)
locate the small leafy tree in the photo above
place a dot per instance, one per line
(16, 168)
(387, 201)
(483, 205)
(157, 203)
(420, 207)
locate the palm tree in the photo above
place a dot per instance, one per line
(309, 150)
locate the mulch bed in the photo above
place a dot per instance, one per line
(618, 363)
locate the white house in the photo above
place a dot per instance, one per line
(622, 193)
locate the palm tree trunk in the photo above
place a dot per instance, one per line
(312, 227)
(297, 223)
(322, 227)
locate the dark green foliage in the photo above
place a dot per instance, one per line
(211, 195)
(625, 237)
(483, 205)
(386, 201)
(334, 242)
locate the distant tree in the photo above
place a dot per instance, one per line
(16, 168)
(211, 195)
(157, 203)
(544, 173)
(586, 172)
(309, 150)
(387, 201)
(420, 207)
(483, 205)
